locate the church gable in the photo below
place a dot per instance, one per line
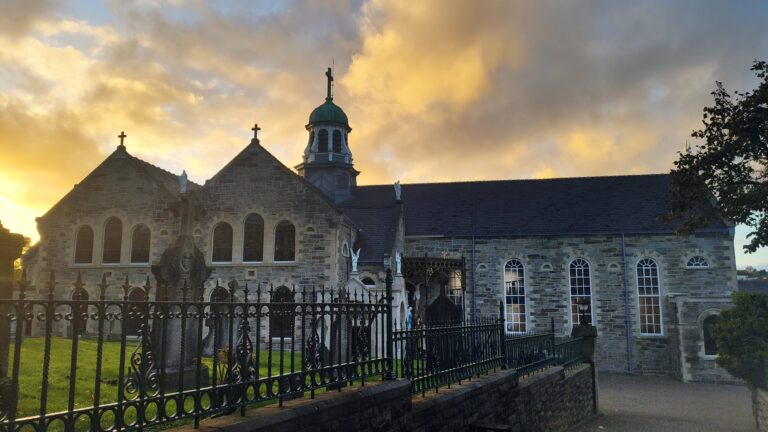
(256, 178)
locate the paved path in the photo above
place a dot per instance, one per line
(658, 404)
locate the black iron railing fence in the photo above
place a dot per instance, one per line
(441, 355)
(188, 358)
(130, 363)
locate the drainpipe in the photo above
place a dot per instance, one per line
(627, 320)
(474, 278)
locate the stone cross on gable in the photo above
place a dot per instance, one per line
(122, 136)
(256, 130)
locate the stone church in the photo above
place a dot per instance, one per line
(540, 247)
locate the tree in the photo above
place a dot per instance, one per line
(741, 335)
(726, 177)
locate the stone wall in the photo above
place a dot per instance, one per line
(762, 410)
(546, 261)
(552, 400)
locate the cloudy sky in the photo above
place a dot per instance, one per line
(435, 90)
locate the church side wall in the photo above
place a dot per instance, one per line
(546, 261)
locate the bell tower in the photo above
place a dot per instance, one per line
(327, 158)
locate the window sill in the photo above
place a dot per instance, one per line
(651, 335)
(709, 357)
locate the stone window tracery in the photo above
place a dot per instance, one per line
(514, 297)
(580, 282)
(222, 243)
(113, 241)
(84, 245)
(649, 297)
(140, 242)
(253, 238)
(697, 261)
(285, 241)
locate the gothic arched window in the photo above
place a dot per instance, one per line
(336, 141)
(285, 241)
(648, 295)
(710, 345)
(140, 244)
(514, 296)
(84, 245)
(222, 243)
(322, 141)
(281, 317)
(113, 241)
(253, 238)
(581, 289)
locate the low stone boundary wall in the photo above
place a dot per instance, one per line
(762, 410)
(548, 401)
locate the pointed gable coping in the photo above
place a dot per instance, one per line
(165, 180)
(255, 146)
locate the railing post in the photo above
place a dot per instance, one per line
(552, 335)
(390, 373)
(502, 336)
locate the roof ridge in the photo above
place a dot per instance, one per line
(522, 180)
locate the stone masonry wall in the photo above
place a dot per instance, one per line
(552, 400)
(546, 261)
(762, 410)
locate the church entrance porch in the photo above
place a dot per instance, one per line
(435, 290)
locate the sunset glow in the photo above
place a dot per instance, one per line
(442, 90)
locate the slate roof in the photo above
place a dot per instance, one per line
(551, 207)
(377, 226)
(754, 286)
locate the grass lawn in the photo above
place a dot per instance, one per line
(30, 376)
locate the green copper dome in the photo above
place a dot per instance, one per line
(329, 112)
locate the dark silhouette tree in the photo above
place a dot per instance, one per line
(726, 177)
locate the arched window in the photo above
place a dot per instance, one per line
(253, 238)
(368, 282)
(710, 345)
(322, 141)
(84, 245)
(113, 241)
(134, 319)
(581, 289)
(648, 295)
(285, 241)
(140, 244)
(79, 311)
(514, 296)
(281, 317)
(697, 262)
(336, 141)
(222, 243)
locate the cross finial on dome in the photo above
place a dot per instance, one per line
(329, 74)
